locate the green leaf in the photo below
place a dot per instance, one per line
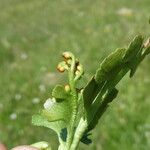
(56, 117)
(52, 116)
(59, 111)
(85, 138)
(133, 48)
(109, 97)
(110, 66)
(146, 51)
(59, 92)
(134, 63)
(133, 67)
(90, 92)
(39, 120)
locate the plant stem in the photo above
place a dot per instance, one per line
(62, 144)
(82, 126)
(74, 104)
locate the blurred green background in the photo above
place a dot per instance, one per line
(34, 33)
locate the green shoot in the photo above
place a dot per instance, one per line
(73, 113)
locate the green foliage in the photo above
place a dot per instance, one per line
(59, 92)
(39, 120)
(134, 47)
(61, 113)
(111, 71)
(110, 66)
(90, 92)
(108, 97)
(90, 32)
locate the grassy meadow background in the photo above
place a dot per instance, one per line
(34, 33)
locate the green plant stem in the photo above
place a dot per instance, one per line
(61, 147)
(74, 104)
(62, 144)
(82, 126)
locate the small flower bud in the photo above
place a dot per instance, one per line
(69, 61)
(60, 69)
(67, 88)
(79, 67)
(66, 55)
(77, 73)
(62, 66)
